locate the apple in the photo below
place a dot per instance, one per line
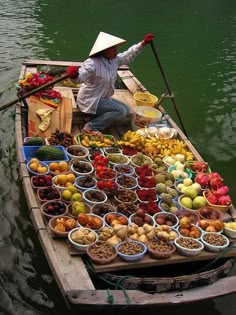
(76, 197)
(78, 207)
(187, 202)
(199, 202)
(190, 192)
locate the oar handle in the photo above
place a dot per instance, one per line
(168, 87)
(39, 89)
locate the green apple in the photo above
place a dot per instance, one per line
(76, 197)
(199, 202)
(187, 202)
(78, 207)
(190, 192)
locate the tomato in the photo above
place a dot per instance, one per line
(109, 184)
(98, 158)
(99, 168)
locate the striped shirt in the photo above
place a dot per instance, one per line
(98, 76)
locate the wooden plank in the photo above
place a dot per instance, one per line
(132, 83)
(147, 261)
(138, 298)
(66, 92)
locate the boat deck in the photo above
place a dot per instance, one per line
(68, 267)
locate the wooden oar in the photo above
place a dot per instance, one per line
(39, 89)
(168, 87)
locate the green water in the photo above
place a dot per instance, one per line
(195, 41)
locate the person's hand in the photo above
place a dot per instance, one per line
(148, 38)
(72, 71)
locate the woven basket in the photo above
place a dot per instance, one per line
(157, 254)
(101, 261)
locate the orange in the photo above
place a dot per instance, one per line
(42, 169)
(53, 166)
(63, 166)
(34, 160)
(33, 166)
(61, 179)
(70, 177)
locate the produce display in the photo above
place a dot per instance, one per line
(142, 190)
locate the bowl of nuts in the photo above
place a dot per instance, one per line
(127, 182)
(159, 249)
(85, 182)
(188, 246)
(125, 196)
(80, 167)
(131, 251)
(214, 242)
(101, 253)
(80, 238)
(94, 196)
(77, 151)
(124, 169)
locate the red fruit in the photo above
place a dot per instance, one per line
(140, 213)
(211, 198)
(224, 201)
(222, 191)
(216, 182)
(202, 179)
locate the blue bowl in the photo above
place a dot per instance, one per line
(135, 257)
(175, 203)
(32, 173)
(173, 167)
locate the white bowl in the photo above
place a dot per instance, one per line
(152, 222)
(91, 227)
(78, 246)
(214, 248)
(229, 232)
(108, 150)
(188, 251)
(167, 214)
(125, 157)
(82, 188)
(129, 177)
(90, 202)
(84, 150)
(198, 228)
(147, 158)
(130, 169)
(84, 163)
(135, 257)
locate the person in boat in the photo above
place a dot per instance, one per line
(97, 76)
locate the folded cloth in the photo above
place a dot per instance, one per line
(44, 114)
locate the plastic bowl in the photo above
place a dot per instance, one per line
(187, 171)
(62, 187)
(119, 159)
(229, 232)
(196, 226)
(48, 194)
(165, 216)
(93, 220)
(43, 164)
(129, 246)
(84, 242)
(40, 181)
(122, 169)
(116, 217)
(193, 247)
(209, 246)
(59, 233)
(175, 203)
(77, 151)
(194, 216)
(102, 209)
(147, 219)
(94, 192)
(145, 99)
(89, 181)
(53, 208)
(145, 159)
(112, 150)
(94, 250)
(126, 196)
(89, 166)
(159, 249)
(127, 182)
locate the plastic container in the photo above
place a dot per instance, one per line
(48, 214)
(187, 251)
(131, 257)
(94, 221)
(82, 163)
(82, 149)
(48, 194)
(145, 99)
(32, 173)
(150, 221)
(113, 216)
(102, 209)
(81, 246)
(125, 159)
(83, 188)
(143, 116)
(87, 209)
(166, 216)
(211, 247)
(29, 152)
(123, 169)
(127, 182)
(187, 171)
(93, 191)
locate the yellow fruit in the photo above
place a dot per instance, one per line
(33, 166)
(34, 160)
(63, 166)
(66, 194)
(70, 177)
(53, 166)
(73, 189)
(42, 169)
(68, 184)
(61, 179)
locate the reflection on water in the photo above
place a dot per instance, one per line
(26, 31)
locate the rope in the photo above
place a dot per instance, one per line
(117, 285)
(221, 254)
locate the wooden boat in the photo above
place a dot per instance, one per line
(139, 285)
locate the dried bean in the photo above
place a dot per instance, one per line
(214, 239)
(188, 243)
(130, 248)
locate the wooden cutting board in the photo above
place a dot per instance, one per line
(61, 117)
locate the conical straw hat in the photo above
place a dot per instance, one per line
(105, 41)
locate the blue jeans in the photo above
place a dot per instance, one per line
(108, 111)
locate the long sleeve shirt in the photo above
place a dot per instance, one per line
(98, 76)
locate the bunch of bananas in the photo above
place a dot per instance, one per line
(96, 141)
(131, 140)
